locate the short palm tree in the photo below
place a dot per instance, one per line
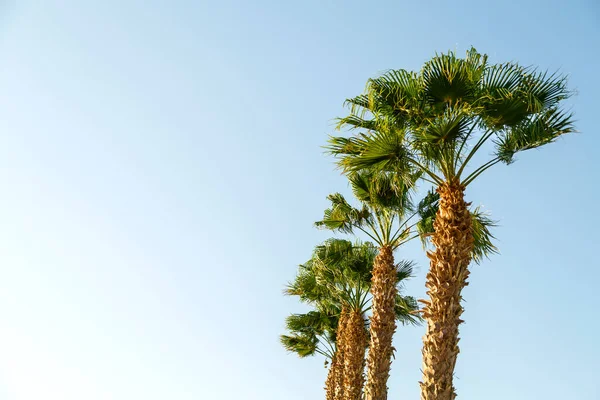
(309, 335)
(313, 333)
(436, 120)
(338, 277)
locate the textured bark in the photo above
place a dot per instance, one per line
(383, 324)
(448, 273)
(355, 345)
(330, 381)
(338, 375)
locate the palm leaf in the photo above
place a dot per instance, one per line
(404, 270)
(483, 246)
(302, 345)
(405, 309)
(382, 191)
(537, 131)
(449, 80)
(342, 217)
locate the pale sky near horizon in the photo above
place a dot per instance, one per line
(161, 168)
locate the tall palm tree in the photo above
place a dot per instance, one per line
(338, 277)
(386, 216)
(437, 120)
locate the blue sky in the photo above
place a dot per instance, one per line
(161, 168)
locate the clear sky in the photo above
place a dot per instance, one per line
(160, 170)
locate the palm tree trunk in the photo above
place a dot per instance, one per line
(355, 339)
(338, 375)
(383, 324)
(330, 381)
(448, 273)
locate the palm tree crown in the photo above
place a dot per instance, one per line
(437, 119)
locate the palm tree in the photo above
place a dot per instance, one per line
(345, 270)
(315, 333)
(386, 216)
(308, 338)
(436, 120)
(337, 279)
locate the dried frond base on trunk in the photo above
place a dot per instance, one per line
(330, 381)
(338, 375)
(448, 273)
(355, 338)
(383, 324)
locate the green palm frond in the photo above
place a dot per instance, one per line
(310, 333)
(406, 310)
(341, 265)
(334, 251)
(404, 270)
(502, 99)
(534, 132)
(499, 77)
(436, 141)
(309, 290)
(339, 272)
(483, 246)
(359, 105)
(450, 80)
(394, 97)
(427, 210)
(312, 322)
(383, 150)
(545, 91)
(302, 345)
(356, 122)
(386, 200)
(381, 191)
(452, 125)
(343, 147)
(360, 264)
(342, 217)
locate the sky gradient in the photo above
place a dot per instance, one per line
(161, 169)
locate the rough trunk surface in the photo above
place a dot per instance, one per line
(448, 273)
(354, 356)
(383, 324)
(338, 375)
(330, 381)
